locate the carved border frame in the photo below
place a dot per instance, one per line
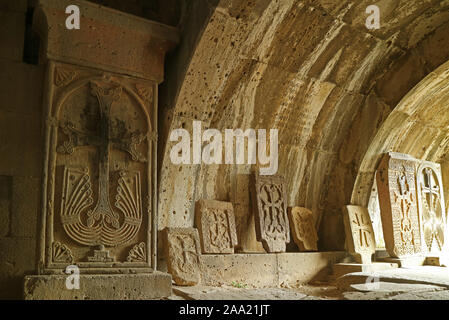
(436, 167)
(52, 105)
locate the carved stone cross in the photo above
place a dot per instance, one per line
(432, 223)
(104, 140)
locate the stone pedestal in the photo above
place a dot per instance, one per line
(99, 198)
(99, 287)
(269, 270)
(340, 269)
(404, 262)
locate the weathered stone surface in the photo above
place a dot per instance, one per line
(303, 228)
(119, 38)
(406, 262)
(99, 287)
(269, 270)
(396, 184)
(100, 168)
(26, 194)
(215, 221)
(432, 212)
(340, 269)
(246, 230)
(306, 267)
(359, 231)
(17, 258)
(270, 205)
(183, 255)
(230, 293)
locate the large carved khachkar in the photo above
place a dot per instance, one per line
(99, 182)
(182, 252)
(359, 231)
(216, 225)
(431, 206)
(303, 228)
(270, 205)
(398, 204)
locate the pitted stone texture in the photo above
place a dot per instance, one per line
(270, 206)
(269, 270)
(328, 99)
(396, 184)
(156, 285)
(215, 221)
(303, 228)
(183, 255)
(360, 240)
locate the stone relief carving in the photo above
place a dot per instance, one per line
(398, 203)
(216, 225)
(64, 76)
(303, 228)
(376, 219)
(182, 251)
(270, 205)
(61, 253)
(360, 239)
(137, 253)
(431, 206)
(99, 167)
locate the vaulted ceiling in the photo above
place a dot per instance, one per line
(314, 71)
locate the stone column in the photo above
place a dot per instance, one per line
(99, 177)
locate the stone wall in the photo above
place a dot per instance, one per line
(20, 150)
(312, 70)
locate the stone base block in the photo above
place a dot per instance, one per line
(437, 261)
(99, 287)
(268, 270)
(340, 269)
(413, 261)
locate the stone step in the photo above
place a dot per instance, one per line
(340, 269)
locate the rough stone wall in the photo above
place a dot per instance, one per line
(20, 150)
(312, 70)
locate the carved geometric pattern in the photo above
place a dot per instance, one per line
(359, 233)
(99, 161)
(61, 253)
(398, 202)
(137, 253)
(101, 255)
(103, 224)
(270, 205)
(216, 225)
(145, 92)
(183, 251)
(431, 206)
(63, 76)
(303, 228)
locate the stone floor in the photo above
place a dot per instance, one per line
(418, 283)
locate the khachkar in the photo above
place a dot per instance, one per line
(270, 206)
(183, 255)
(303, 228)
(432, 213)
(359, 233)
(216, 225)
(99, 180)
(398, 204)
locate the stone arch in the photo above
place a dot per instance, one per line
(310, 69)
(417, 126)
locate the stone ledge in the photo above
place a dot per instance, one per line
(268, 270)
(99, 287)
